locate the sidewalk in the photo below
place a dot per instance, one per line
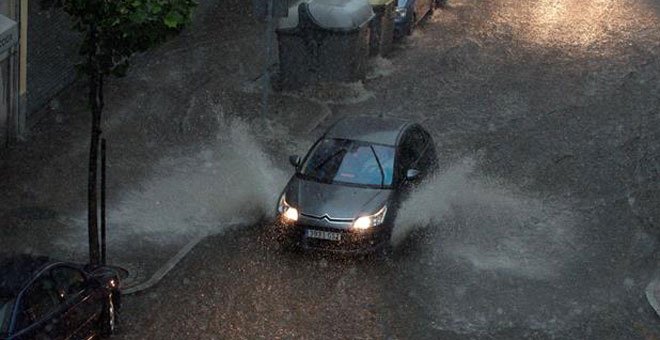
(189, 152)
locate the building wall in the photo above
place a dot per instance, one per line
(8, 80)
(5, 10)
(52, 53)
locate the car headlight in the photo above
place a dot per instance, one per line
(401, 12)
(366, 222)
(288, 213)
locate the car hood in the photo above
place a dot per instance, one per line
(334, 200)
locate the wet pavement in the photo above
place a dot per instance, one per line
(182, 121)
(542, 224)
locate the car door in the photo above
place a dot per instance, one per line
(82, 302)
(39, 314)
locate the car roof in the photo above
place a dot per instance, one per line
(377, 130)
(17, 271)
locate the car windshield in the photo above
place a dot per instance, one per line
(351, 162)
(5, 314)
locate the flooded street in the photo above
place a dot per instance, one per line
(542, 222)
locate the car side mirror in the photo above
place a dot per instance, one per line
(412, 174)
(294, 160)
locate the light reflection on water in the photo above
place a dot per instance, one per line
(577, 23)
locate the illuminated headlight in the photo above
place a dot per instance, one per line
(366, 222)
(288, 213)
(401, 12)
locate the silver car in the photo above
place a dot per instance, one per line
(346, 192)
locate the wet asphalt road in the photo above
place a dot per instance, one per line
(543, 223)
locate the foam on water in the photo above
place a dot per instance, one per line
(380, 67)
(491, 227)
(335, 93)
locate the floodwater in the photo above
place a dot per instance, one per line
(541, 223)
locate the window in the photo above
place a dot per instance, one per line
(411, 149)
(39, 300)
(418, 143)
(70, 281)
(353, 162)
(6, 307)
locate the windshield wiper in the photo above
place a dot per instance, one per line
(380, 167)
(342, 151)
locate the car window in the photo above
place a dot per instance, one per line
(346, 161)
(411, 149)
(6, 305)
(417, 143)
(39, 300)
(69, 280)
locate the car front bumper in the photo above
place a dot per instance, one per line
(352, 242)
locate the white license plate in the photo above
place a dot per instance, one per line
(324, 235)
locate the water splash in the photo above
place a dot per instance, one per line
(229, 180)
(380, 67)
(491, 227)
(335, 93)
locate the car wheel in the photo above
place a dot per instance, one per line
(109, 317)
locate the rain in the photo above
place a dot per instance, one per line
(539, 222)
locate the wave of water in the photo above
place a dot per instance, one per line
(475, 219)
(229, 180)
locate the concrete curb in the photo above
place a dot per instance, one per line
(652, 292)
(171, 263)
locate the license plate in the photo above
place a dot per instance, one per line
(324, 235)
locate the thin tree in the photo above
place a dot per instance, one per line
(112, 31)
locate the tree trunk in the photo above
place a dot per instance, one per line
(96, 106)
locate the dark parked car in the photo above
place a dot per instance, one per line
(42, 298)
(345, 194)
(409, 13)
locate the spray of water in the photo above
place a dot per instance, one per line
(230, 180)
(488, 225)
